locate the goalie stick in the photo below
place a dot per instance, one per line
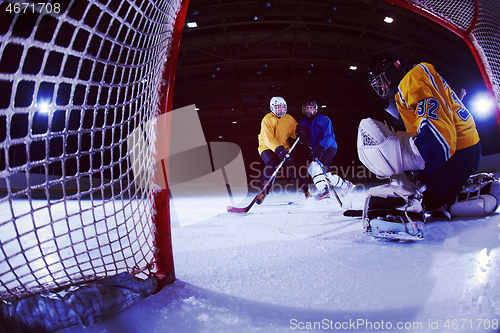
(242, 210)
(353, 212)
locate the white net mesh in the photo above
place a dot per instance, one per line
(77, 77)
(487, 36)
(484, 32)
(457, 13)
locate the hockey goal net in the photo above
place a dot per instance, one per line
(77, 199)
(77, 78)
(477, 23)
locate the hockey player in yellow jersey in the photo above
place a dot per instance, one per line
(433, 113)
(276, 127)
(439, 150)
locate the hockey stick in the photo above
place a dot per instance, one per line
(241, 210)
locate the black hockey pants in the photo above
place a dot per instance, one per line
(444, 184)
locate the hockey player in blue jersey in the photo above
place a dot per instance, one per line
(317, 129)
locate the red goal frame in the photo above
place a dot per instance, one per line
(466, 37)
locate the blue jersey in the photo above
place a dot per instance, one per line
(320, 131)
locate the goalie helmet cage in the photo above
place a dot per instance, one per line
(77, 199)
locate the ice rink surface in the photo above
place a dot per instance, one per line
(293, 265)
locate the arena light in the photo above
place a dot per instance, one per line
(481, 104)
(44, 107)
(388, 19)
(192, 25)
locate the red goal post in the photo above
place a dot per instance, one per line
(477, 23)
(77, 80)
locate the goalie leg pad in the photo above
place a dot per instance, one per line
(479, 197)
(385, 153)
(386, 213)
(485, 204)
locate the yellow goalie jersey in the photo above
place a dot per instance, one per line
(275, 131)
(435, 115)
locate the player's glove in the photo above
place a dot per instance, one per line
(302, 133)
(317, 152)
(281, 152)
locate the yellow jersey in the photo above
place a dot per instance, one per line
(275, 131)
(432, 112)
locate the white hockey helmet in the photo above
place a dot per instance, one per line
(278, 106)
(309, 109)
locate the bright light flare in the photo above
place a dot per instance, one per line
(483, 263)
(44, 107)
(481, 104)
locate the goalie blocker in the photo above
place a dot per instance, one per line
(386, 153)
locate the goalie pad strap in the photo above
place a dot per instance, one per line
(385, 153)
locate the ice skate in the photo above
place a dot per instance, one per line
(324, 194)
(346, 188)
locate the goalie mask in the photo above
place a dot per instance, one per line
(384, 75)
(310, 109)
(278, 106)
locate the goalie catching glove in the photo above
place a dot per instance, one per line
(385, 153)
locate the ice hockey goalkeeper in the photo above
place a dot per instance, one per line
(430, 165)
